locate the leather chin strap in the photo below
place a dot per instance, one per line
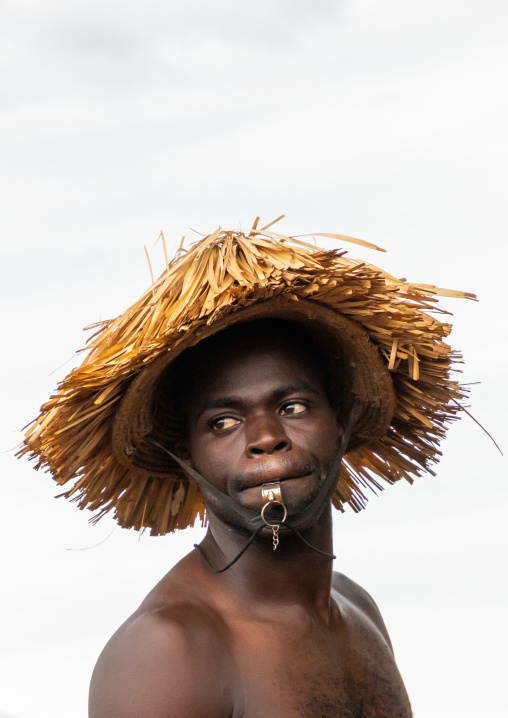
(254, 518)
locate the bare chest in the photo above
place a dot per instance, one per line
(291, 671)
(304, 669)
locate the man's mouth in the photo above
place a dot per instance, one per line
(257, 478)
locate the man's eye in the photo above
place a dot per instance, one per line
(223, 423)
(293, 407)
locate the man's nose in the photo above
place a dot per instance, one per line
(266, 435)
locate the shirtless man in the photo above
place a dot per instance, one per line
(278, 634)
(236, 384)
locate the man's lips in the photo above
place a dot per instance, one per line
(269, 476)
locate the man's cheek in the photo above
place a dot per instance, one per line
(213, 467)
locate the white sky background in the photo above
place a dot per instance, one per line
(383, 120)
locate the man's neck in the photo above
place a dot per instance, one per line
(293, 574)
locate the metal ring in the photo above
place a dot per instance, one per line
(271, 503)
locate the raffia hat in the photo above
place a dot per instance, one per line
(382, 347)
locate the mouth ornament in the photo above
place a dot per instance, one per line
(272, 496)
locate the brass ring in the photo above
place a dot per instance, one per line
(271, 503)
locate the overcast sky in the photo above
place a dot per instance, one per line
(382, 120)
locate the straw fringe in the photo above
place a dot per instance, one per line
(222, 273)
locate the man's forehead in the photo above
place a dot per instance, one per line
(237, 364)
(269, 336)
(242, 358)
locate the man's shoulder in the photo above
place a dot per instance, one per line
(159, 660)
(361, 601)
(372, 664)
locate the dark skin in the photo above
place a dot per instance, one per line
(278, 635)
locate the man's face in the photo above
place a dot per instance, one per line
(258, 414)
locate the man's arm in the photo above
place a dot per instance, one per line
(160, 665)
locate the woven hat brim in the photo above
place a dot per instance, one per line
(223, 273)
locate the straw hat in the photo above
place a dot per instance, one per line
(381, 346)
